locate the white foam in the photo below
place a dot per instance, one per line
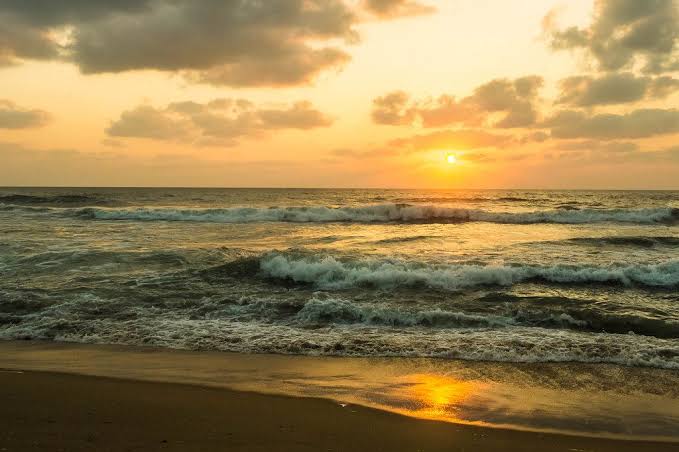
(330, 273)
(516, 344)
(381, 213)
(316, 311)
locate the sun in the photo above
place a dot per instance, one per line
(451, 159)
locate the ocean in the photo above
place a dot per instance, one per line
(492, 275)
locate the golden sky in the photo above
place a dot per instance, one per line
(340, 93)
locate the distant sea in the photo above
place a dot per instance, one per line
(512, 276)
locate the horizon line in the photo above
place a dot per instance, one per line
(160, 187)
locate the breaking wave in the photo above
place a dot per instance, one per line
(330, 273)
(336, 311)
(639, 241)
(383, 213)
(56, 200)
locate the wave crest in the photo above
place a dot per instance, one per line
(383, 213)
(330, 273)
(68, 199)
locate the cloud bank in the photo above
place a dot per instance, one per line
(15, 117)
(640, 123)
(614, 88)
(624, 33)
(220, 122)
(514, 100)
(397, 8)
(220, 42)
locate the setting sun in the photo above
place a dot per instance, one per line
(313, 212)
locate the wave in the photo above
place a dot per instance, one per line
(640, 241)
(413, 238)
(462, 199)
(516, 344)
(330, 273)
(29, 200)
(383, 213)
(336, 311)
(333, 311)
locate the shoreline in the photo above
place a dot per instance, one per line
(76, 412)
(585, 401)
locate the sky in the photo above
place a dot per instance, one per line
(555, 94)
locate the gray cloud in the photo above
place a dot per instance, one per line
(514, 99)
(370, 153)
(19, 41)
(301, 116)
(641, 123)
(397, 8)
(446, 110)
(614, 88)
(393, 109)
(15, 117)
(214, 41)
(220, 42)
(53, 13)
(662, 87)
(624, 32)
(148, 122)
(595, 145)
(535, 137)
(219, 122)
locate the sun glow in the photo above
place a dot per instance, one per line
(451, 159)
(438, 396)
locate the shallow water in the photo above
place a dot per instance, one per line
(581, 399)
(518, 276)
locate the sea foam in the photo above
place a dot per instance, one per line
(331, 273)
(382, 213)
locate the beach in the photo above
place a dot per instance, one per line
(339, 225)
(526, 313)
(48, 411)
(57, 396)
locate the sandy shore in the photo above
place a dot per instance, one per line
(48, 411)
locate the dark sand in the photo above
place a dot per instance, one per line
(60, 412)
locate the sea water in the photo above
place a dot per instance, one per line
(504, 276)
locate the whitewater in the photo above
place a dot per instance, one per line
(504, 275)
(383, 213)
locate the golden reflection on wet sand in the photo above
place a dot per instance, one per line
(437, 397)
(591, 400)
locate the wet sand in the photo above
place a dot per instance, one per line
(616, 402)
(61, 412)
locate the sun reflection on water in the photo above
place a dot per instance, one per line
(437, 396)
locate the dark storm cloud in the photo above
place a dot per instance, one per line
(513, 99)
(241, 42)
(220, 122)
(15, 117)
(614, 88)
(641, 123)
(626, 31)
